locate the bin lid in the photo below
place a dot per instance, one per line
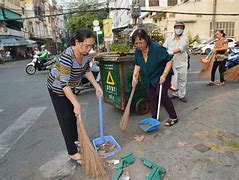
(116, 57)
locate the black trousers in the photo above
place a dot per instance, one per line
(222, 69)
(67, 120)
(153, 93)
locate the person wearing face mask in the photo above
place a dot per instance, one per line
(177, 44)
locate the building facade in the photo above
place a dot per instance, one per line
(26, 24)
(202, 22)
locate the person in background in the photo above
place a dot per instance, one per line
(156, 65)
(72, 64)
(36, 51)
(177, 44)
(220, 50)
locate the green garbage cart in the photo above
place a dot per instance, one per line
(116, 77)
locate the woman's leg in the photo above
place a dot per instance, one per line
(165, 100)
(222, 70)
(67, 121)
(153, 101)
(214, 68)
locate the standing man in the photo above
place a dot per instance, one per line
(177, 45)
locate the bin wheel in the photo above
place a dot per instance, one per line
(142, 106)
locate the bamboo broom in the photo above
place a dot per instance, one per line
(91, 161)
(232, 74)
(125, 117)
(206, 70)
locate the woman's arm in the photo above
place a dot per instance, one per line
(69, 94)
(97, 87)
(135, 75)
(223, 48)
(166, 71)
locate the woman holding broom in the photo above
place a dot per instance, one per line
(220, 50)
(156, 65)
(72, 64)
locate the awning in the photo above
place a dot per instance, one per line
(31, 43)
(10, 15)
(17, 41)
(9, 42)
(22, 41)
(119, 29)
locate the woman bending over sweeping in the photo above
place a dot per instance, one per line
(72, 64)
(156, 65)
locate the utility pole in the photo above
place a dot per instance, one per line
(214, 16)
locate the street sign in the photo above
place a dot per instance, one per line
(96, 23)
(97, 28)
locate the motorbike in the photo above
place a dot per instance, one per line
(85, 83)
(233, 57)
(36, 64)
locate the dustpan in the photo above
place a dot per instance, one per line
(151, 124)
(102, 140)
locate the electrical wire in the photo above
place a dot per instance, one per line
(115, 9)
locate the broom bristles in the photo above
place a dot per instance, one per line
(91, 162)
(125, 117)
(206, 70)
(232, 74)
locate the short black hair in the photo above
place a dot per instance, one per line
(141, 34)
(81, 34)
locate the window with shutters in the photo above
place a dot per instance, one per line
(153, 2)
(172, 2)
(227, 26)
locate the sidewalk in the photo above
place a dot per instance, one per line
(203, 145)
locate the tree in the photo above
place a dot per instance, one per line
(85, 19)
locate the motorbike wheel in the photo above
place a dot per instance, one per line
(30, 69)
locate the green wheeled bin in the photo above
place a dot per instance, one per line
(116, 77)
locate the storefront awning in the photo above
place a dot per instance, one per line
(6, 14)
(17, 41)
(119, 29)
(9, 42)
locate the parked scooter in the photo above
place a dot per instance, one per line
(36, 64)
(233, 58)
(85, 83)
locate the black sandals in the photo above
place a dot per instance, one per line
(171, 122)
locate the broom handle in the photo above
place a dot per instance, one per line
(131, 96)
(101, 119)
(159, 100)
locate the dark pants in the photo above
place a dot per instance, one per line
(153, 93)
(222, 69)
(67, 120)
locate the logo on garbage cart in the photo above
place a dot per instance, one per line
(110, 79)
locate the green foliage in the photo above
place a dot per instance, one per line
(85, 15)
(85, 20)
(120, 47)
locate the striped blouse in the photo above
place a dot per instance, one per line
(67, 72)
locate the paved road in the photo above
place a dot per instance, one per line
(31, 144)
